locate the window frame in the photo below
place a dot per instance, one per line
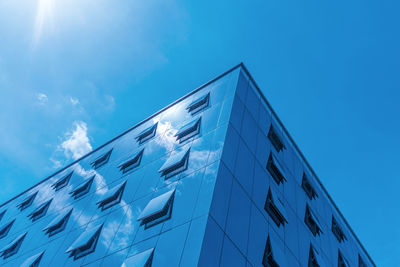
(189, 130)
(276, 213)
(40, 211)
(312, 222)
(199, 104)
(131, 163)
(101, 160)
(62, 182)
(275, 169)
(147, 134)
(112, 198)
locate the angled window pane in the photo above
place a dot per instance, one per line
(337, 231)
(102, 160)
(5, 229)
(361, 262)
(13, 247)
(273, 256)
(342, 261)
(157, 210)
(314, 258)
(58, 224)
(82, 189)
(33, 261)
(175, 164)
(312, 221)
(62, 182)
(112, 197)
(275, 170)
(131, 163)
(2, 214)
(275, 139)
(308, 187)
(27, 202)
(147, 134)
(188, 131)
(85, 244)
(275, 208)
(144, 259)
(40, 211)
(199, 104)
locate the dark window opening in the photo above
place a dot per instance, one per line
(158, 210)
(63, 182)
(177, 163)
(85, 244)
(27, 202)
(132, 163)
(33, 261)
(275, 139)
(308, 188)
(147, 134)
(58, 224)
(188, 131)
(342, 261)
(312, 222)
(144, 258)
(2, 214)
(268, 258)
(199, 104)
(83, 189)
(361, 262)
(313, 257)
(275, 170)
(5, 229)
(40, 211)
(112, 197)
(275, 209)
(102, 160)
(337, 231)
(12, 248)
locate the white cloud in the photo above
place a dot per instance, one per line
(77, 142)
(74, 101)
(42, 98)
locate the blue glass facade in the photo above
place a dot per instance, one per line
(211, 180)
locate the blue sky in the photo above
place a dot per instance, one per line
(74, 74)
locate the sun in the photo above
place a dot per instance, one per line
(44, 17)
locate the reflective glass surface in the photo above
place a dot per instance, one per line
(203, 163)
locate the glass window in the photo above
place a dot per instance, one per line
(131, 163)
(58, 223)
(85, 244)
(112, 197)
(275, 139)
(273, 256)
(33, 261)
(275, 169)
(342, 261)
(40, 211)
(274, 207)
(102, 160)
(2, 214)
(143, 258)
(6, 228)
(175, 164)
(188, 131)
(147, 134)
(27, 202)
(314, 258)
(63, 182)
(361, 262)
(337, 230)
(312, 221)
(157, 210)
(13, 247)
(82, 189)
(199, 104)
(308, 187)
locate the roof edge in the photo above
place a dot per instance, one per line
(127, 131)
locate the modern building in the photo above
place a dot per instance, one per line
(214, 179)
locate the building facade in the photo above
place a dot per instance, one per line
(213, 179)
